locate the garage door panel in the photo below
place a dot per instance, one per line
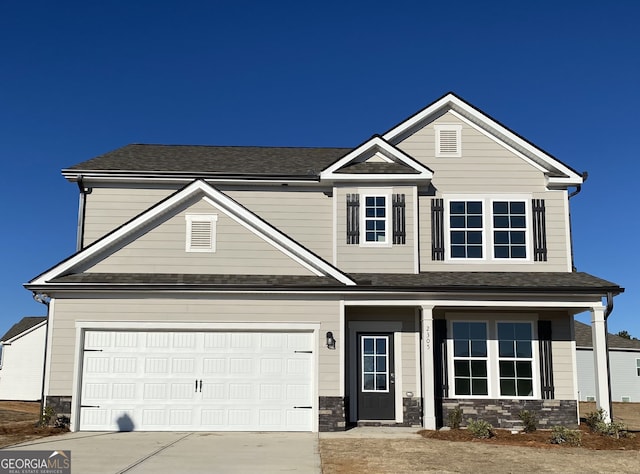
(197, 381)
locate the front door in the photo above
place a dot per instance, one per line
(376, 384)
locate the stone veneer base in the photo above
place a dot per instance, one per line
(503, 413)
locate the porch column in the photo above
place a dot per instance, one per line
(599, 337)
(428, 381)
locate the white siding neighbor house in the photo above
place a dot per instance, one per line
(22, 360)
(314, 289)
(624, 363)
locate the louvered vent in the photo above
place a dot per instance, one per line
(200, 233)
(448, 142)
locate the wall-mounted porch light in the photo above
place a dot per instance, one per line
(331, 342)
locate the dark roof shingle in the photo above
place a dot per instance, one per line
(214, 160)
(21, 326)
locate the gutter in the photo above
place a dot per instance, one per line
(82, 207)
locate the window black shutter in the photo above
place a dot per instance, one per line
(546, 360)
(539, 231)
(399, 233)
(437, 229)
(353, 218)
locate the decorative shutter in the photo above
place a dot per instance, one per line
(546, 360)
(539, 231)
(448, 142)
(201, 233)
(399, 234)
(437, 229)
(353, 219)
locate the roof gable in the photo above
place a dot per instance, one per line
(23, 326)
(376, 160)
(558, 173)
(197, 189)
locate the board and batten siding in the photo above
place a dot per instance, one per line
(625, 381)
(187, 310)
(486, 169)
(359, 258)
(162, 250)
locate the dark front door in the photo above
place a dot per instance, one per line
(376, 389)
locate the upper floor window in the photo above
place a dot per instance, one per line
(500, 225)
(448, 140)
(375, 219)
(201, 233)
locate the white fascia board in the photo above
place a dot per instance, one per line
(164, 207)
(389, 151)
(453, 103)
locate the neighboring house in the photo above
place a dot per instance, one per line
(624, 362)
(22, 360)
(310, 289)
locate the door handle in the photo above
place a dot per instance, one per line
(392, 378)
(196, 386)
(201, 386)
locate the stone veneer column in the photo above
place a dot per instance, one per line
(428, 381)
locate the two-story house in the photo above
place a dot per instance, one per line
(310, 289)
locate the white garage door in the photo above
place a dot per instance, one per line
(207, 381)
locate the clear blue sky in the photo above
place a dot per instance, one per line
(80, 78)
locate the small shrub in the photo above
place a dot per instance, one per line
(529, 420)
(480, 428)
(47, 415)
(594, 419)
(614, 429)
(455, 418)
(562, 435)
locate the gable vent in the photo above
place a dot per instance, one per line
(201, 233)
(448, 142)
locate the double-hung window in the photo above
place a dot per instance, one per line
(376, 218)
(515, 359)
(488, 229)
(466, 229)
(470, 358)
(492, 359)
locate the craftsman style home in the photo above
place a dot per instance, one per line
(314, 289)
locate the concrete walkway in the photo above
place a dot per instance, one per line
(170, 452)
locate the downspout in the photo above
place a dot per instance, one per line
(44, 299)
(82, 206)
(584, 175)
(607, 312)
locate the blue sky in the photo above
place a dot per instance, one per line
(80, 78)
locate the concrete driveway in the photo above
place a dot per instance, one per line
(200, 452)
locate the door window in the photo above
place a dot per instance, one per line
(375, 363)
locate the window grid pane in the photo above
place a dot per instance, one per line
(470, 358)
(375, 366)
(466, 228)
(375, 219)
(515, 359)
(510, 241)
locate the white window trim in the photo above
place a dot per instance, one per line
(493, 372)
(487, 227)
(452, 358)
(364, 194)
(190, 219)
(448, 127)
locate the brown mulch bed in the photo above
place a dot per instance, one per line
(538, 439)
(18, 423)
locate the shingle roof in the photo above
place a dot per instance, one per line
(547, 281)
(583, 338)
(21, 326)
(428, 281)
(377, 168)
(214, 160)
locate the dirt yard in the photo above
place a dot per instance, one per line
(18, 423)
(456, 451)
